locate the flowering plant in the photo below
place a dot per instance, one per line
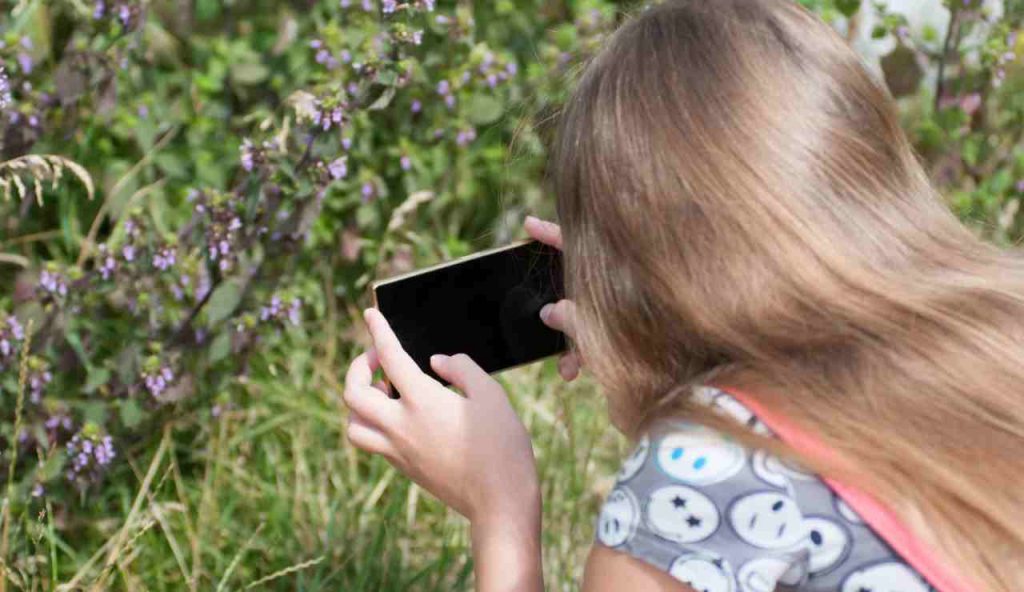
(192, 190)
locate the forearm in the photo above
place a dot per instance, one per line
(506, 553)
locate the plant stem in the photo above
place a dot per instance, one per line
(939, 82)
(22, 381)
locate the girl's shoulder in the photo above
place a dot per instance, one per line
(721, 517)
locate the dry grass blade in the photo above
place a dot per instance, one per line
(408, 207)
(22, 382)
(40, 168)
(283, 572)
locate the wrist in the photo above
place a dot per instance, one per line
(506, 544)
(507, 552)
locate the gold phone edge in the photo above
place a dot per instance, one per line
(376, 283)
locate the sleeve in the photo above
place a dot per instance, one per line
(690, 502)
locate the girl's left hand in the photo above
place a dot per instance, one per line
(470, 451)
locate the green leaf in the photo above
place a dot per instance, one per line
(484, 109)
(384, 99)
(248, 74)
(131, 413)
(224, 301)
(220, 347)
(848, 7)
(97, 377)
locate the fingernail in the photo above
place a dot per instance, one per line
(438, 358)
(545, 312)
(534, 218)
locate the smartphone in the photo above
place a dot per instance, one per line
(486, 305)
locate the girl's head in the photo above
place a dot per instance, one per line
(738, 200)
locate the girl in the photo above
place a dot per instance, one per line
(740, 208)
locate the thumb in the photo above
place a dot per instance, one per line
(464, 373)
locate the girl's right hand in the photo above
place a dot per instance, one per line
(561, 315)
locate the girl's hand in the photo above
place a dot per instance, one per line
(560, 315)
(471, 451)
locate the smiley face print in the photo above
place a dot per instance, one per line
(775, 471)
(633, 464)
(765, 573)
(827, 542)
(891, 576)
(767, 519)
(699, 456)
(681, 514)
(703, 571)
(619, 517)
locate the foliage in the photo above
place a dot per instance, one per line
(255, 164)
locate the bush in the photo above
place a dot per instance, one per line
(197, 192)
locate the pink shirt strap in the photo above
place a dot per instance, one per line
(885, 522)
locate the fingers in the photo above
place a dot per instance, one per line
(365, 437)
(569, 367)
(369, 401)
(560, 316)
(372, 405)
(464, 373)
(546, 232)
(360, 371)
(400, 368)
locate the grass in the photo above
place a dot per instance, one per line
(270, 496)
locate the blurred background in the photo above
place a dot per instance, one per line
(195, 196)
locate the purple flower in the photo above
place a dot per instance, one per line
(427, 5)
(25, 61)
(37, 490)
(345, 3)
(346, 144)
(367, 5)
(442, 19)
(158, 380)
(466, 136)
(248, 156)
(99, 9)
(275, 311)
(11, 332)
(124, 14)
(5, 90)
(449, 101)
(53, 283)
(316, 44)
(89, 455)
(416, 106)
(902, 32)
(369, 191)
(107, 262)
(444, 87)
(1020, 186)
(512, 68)
(417, 37)
(37, 381)
(405, 162)
(128, 252)
(346, 56)
(338, 168)
(388, 6)
(164, 258)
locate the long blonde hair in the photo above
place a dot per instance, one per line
(738, 199)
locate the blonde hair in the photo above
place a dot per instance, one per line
(738, 199)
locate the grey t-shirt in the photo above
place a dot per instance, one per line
(721, 518)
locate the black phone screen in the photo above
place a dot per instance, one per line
(486, 306)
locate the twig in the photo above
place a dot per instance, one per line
(939, 82)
